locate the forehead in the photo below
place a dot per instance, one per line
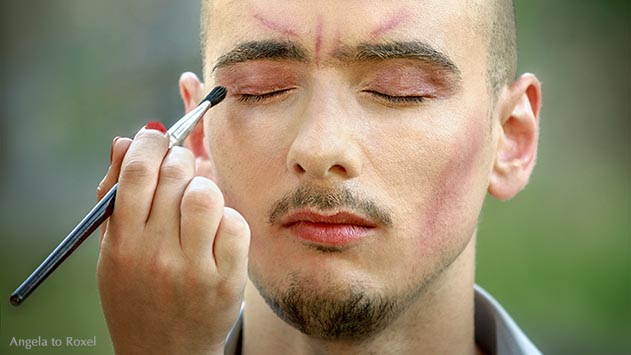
(453, 27)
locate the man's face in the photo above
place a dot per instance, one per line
(356, 140)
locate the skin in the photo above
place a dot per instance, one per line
(174, 235)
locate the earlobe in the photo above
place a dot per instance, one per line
(517, 146)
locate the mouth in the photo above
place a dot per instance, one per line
(336, 230)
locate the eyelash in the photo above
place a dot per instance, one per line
(262, 97)
(401, 100)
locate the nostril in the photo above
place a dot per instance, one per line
(338, 169)
(298, 168)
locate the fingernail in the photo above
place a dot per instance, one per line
(158, 126)
(112, 148)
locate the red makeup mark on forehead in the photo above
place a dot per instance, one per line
(284, 29)
(318, 38)
(389, 24)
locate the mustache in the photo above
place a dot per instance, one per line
(320, 198)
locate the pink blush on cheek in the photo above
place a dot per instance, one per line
(452, 186)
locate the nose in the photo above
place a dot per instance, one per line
(326, 143)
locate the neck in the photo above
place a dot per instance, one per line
(439, 321)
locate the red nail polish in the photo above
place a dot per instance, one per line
(158, 126)
(112, 149)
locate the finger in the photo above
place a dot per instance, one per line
(232, 243)
(119, 148)
(138, 179)
(201, 212)
(177, 170)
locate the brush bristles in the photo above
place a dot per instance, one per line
(216, 95)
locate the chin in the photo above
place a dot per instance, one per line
(329, 306)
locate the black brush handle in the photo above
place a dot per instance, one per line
(101, 211)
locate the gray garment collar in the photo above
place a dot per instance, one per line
(495, 331)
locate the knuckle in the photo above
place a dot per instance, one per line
(202, 195)
(197, 278)
(164, 267)
(234, 224)
(178, 165)
(173, 171)
(135, 169)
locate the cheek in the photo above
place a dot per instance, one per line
(452, 207)
(438, 186)
(247, 154)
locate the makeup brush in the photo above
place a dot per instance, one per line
(103, 209)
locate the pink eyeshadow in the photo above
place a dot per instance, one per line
(256, 76)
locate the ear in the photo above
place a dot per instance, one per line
(518, 107)
(192, 92)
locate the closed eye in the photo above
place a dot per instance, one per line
(262, 97)
(393, 99)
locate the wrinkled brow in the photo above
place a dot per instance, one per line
(345, 54)
(260, 50)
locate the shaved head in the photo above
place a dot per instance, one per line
(502, 45)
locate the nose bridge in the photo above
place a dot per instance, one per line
(324, 116)
(325, 144)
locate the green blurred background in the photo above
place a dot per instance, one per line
(76, 73)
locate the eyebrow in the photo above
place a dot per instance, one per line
(397, 50)
(260, 50)
(364, 52)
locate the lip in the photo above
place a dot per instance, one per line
(337, 229)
